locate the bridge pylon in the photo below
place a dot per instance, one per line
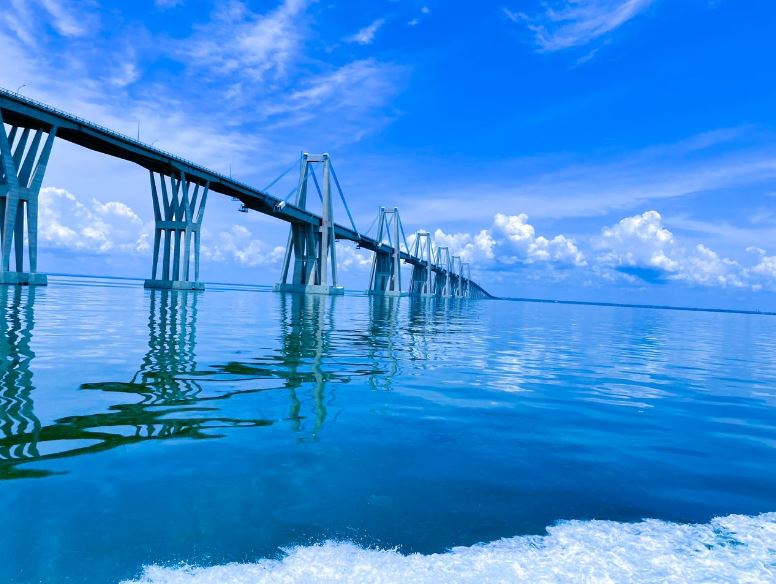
(179, 206)
(385, 278)
(312, 247)
(442, 281)
(466, 291)
(422, 274)
(455, 276)
(22, 166)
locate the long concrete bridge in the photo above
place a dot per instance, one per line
(179, 190)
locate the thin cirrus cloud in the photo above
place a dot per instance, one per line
(576, 23)
(237, 40)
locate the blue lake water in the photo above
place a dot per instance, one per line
(174, 437)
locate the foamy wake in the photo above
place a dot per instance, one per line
(729, 549)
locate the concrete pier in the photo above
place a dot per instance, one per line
(178, 212)
(23, 158)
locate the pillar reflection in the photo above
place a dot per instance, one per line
(306, 323)
(19, 427)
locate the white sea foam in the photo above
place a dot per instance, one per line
(736, 548)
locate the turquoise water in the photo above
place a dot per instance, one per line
(144, 431)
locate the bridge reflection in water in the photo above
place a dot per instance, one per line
(171, 397)
(167, 384)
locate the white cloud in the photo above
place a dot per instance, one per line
(65, 223)
(350, 258)
(574, 23)
(640, 246)
(763, 274)
(95, 227)
(509, 241)
(637, 249)
(521, 244)
(239, 245)
(366, 35)
(638, 241)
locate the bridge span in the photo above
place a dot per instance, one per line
(179, 190)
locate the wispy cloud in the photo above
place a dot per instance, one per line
(575, 23)
(238, 41)
(349, 92)
(30, 20)
(62, 17)
(556, 187)
(366, 35)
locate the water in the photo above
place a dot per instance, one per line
(143, 432)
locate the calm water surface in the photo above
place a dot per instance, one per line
(141, 428)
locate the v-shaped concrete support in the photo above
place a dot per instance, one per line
(179, 207)
(22, 166)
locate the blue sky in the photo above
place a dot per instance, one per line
(616, 150)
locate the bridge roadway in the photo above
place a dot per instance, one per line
(29, 113)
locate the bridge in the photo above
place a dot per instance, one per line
(179, 189)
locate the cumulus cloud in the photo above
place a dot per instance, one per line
(640, 246)
(239, 245)
(637, 249)
(575, 23)
(96, 227)
(762, 274)
(511, 240)
(350, 258)
(66, 223)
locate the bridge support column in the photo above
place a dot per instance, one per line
(178, 212)
(312, 246)
(22, 166)
(385, 279)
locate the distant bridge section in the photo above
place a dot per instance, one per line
(180, 189)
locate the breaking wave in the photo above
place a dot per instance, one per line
(735, 548)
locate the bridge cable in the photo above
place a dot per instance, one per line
(374, 222)
(291, 193)
(342, 196)
(285, 172)
(404, 235)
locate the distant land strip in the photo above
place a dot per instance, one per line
(649, 306)
(508, 298)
